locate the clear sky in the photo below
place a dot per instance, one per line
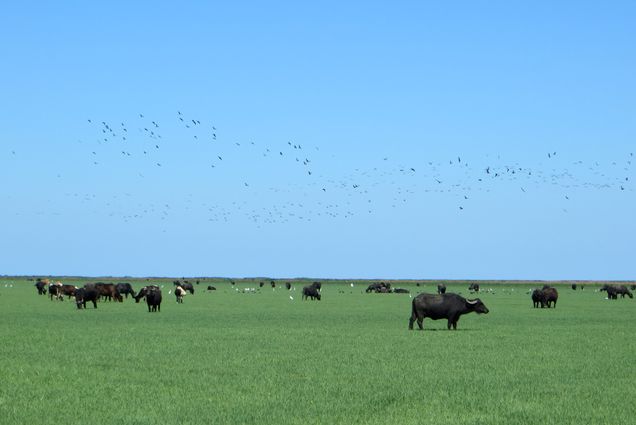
(426, 127)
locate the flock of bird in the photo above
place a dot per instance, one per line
(307, 188)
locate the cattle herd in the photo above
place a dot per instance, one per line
(442, 305)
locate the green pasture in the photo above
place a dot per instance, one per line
(227, 357)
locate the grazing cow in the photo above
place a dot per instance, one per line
(401, 291)
(211, 288)
(574, 286)
(41, 285)
(55, 291)
(550, 296)
(188, 287)
(68, 290)
(88, 293)
(441, 288)
(108, 291)
(143, 291)
(613, 291)
(179, 293)
(538, 299)
(311, 292)
(443, 306)
(473, 287)
(273, 284)
(125, 289)
(288, 285)
(379, 288)
(261, 284)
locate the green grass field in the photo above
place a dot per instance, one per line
(235, 358)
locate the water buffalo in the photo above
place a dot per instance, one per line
(68, 290)
(443, 306)
(152, 293)
(261, 284)
(273, 284)
(125, 289)
(88, 293)
(188, 287)
(633, 287)
(379, 288)
(288, 285)
(473, 287)
(41, 285)
(180, 294)
(574, 286)
(312, 291)
(108, 291)
(211, 288)
(55, 291)
(613, 291)
(550, 295)
(401, 291)
(441, 288)
(538, 299)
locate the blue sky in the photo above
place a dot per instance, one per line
(463, 93)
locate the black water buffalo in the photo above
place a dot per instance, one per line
(125, 289)
(288, 285)
(188, 287)
(311, 292)
(474, 287)
(108, 291)
(261, 284)
(538, 299)
(633, 287)
(273, 284)
(550, 295)
(88, 293)
(68, 290)
(574, 286)
(211, 288)
(441, 288)
(379, 288)
(443, 306)
(55, 291)
(41, 285)
(179, 292)
(401, 291)
(152, 293)
(613, 291)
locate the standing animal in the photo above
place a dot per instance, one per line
(312, 291)
(41, 285)
(441, 288)
(550, 295)
(613, 291)
(108, 291)
(443, 306)
(179, 293)
(261, 284)
(68, 290)
(152, 293)
(574, 286)
(55, 291)
(188, 287)
(125, 289)
(288, 285)
(538, 299)
(273, 284)
(88, 293)
(473, 287)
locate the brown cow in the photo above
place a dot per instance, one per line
(108, 291)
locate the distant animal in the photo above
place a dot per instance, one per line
(180, 294)
(41, 285)
(379, 288)
(443, 306)
(152, 293)
(211, 288)
(312, 291)
(473, 287)
(574, 286)
(401, 291)
(633, 287)
(288, 285)
(87, 293)
(441, 288)
(273, 284)
(550, 295)
(538, 299)
(261, 284)
(188, 287)
(55, 291)
(108, 291)
(68, 290)
(613, 291)
(125, 289)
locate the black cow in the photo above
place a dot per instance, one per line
(550, 295)
(443, 306)
(188, 287)
(68, 290)
(55, 291)
(108, 291)
(88, 293)
(273, 284)
(538, 299)
(40, 285)
(613, 291)
(288, 285)
(211, 288)
(441, 288)
(401, 291)
(633, 287)
(125, 289)
(153, 297)
(261, 284)
(474, 287)
(311, 292)
(574, 286)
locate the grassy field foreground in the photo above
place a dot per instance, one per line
(227, 357)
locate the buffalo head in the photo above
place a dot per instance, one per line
(477, 306)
